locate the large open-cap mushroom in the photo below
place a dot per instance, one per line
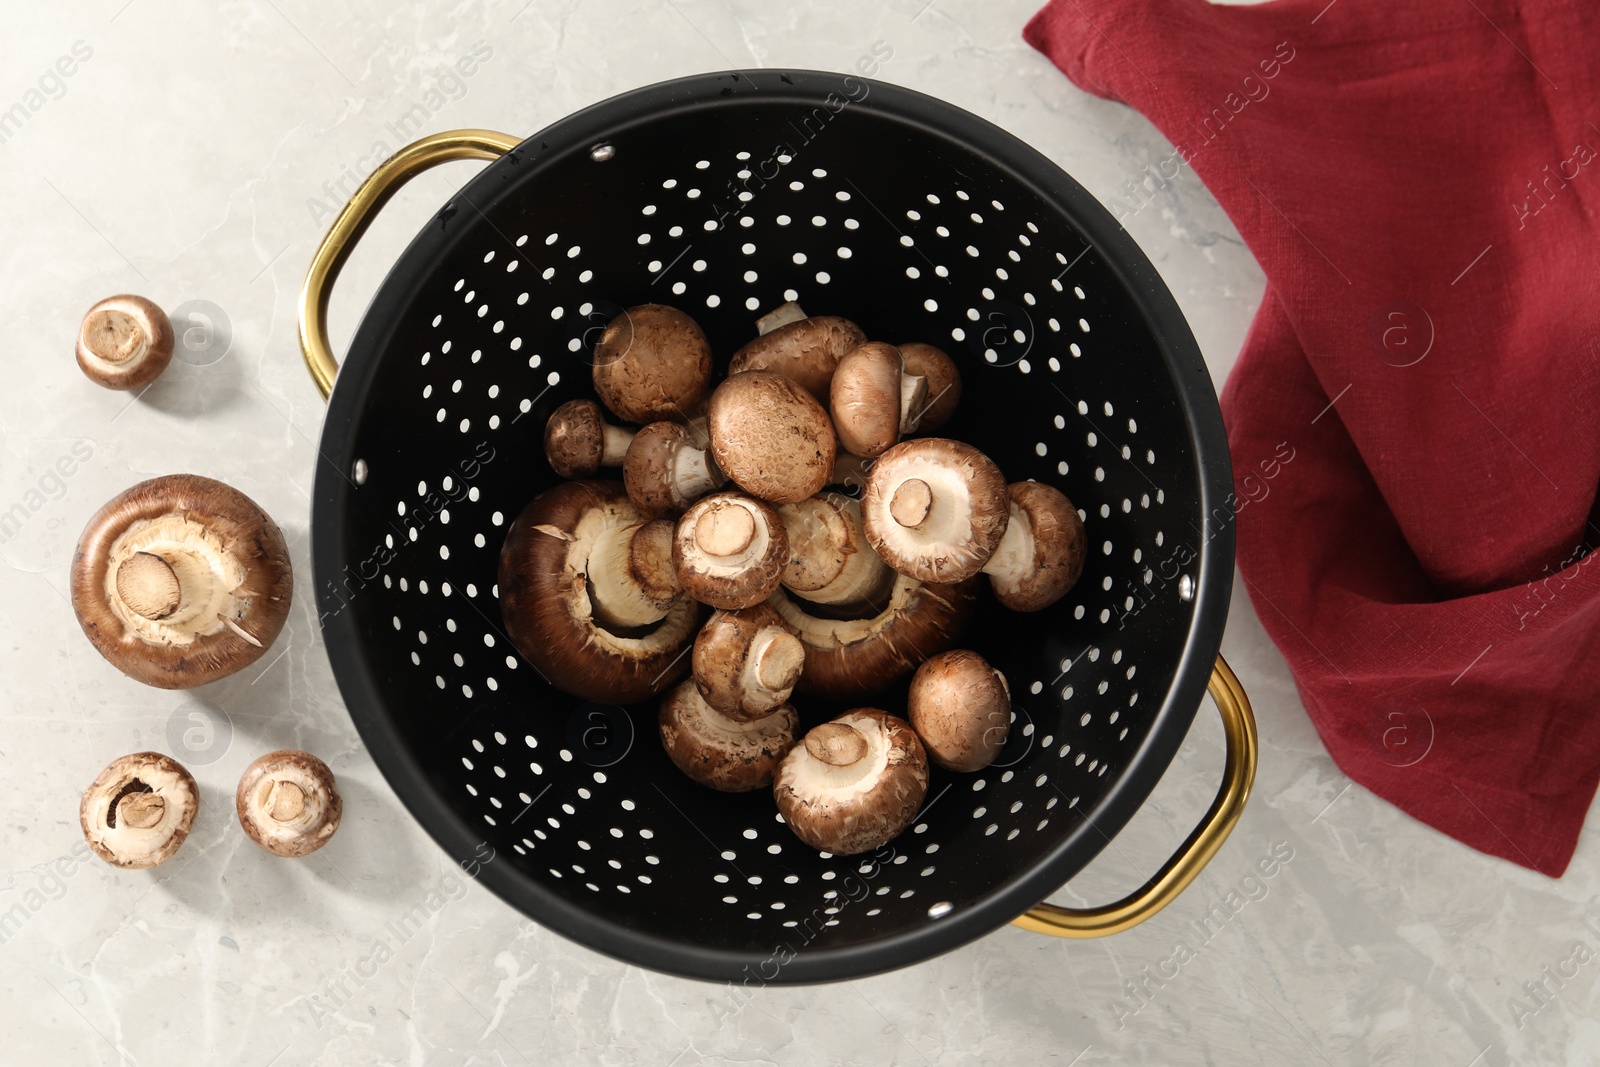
(139, 810)
(935, 509)
(181, 580)
(853, 784)
(771, 436)
(944, 383)
(730, 550)
(852, 658)
(665, 470)
(586, 595)
(873, 399)
(830, 561)
(578, 441)
(288, 803)
(961, 708)
(732, 755)
(652, 362)
(805, 350)
(746, 662)
(1042, 551)
(124, 342)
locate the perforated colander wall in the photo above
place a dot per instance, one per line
(726, 209)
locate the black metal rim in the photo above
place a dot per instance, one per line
(332, 502)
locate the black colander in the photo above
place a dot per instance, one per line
(726, 195)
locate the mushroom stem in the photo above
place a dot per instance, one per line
(835, 743)
(911, 503)
(141, 809)
(1014, 556)
(149, 586)
(285, 801)
(114, 335)
(913, 401)
(631, 578)
(614, 445)
(723, 532)
(781, 315)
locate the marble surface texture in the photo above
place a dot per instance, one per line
(185, 157)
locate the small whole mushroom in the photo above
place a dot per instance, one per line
(723, 753)
(588, 596)
(961, 708)
(873, 399)
(771, 436)
(830, 561)
(853, 784)
(935, 509)
(1041, 554)
(124, 342)
(746, 662)
(730, 550)
(943, 382)
(652, 362)
(288, 803)
(139, 810)
(181, 580)
(578, 441)
(665, 471)
(804, 350)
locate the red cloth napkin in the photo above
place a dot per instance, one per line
(1420, 184)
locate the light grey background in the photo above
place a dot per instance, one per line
(186, 159)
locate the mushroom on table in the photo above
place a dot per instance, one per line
(139, 810)
(288, 803)
(729, 550)
(181, 580)
(961, 708)
(589, 596)
(124, 342)
(721, 752)
(854, 783)
(652, 362)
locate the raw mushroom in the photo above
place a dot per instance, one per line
(935, 509)
(139, 810)
(854, 783)
(944, 383)
(873, 399)
(961, 708)
(288, 803)
(830, 561)
(747, 662)
(771, 437)
(572, 605)
(849, 659)
(722, 753)
(730, 550)
(124, 342)
(1042, 551)
(805, 351)
(665, 471)
(181, 580)
(652, 362)
(578, 441)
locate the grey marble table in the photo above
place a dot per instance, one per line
(194, 152)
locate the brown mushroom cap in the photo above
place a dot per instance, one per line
(935, 509)
(854, 783)
(578, 441)
(850, 659)
(726, 754)
(730, 550)
(124, 342)
(873, 400)
(771, 436)
(139, 810)
(652, 362)
(961, 708)
(665, 471)
(181, 580)
(805, 352)
(830, 561)
(547, 599)
(747, 662)
(944, 383)
(288, 803)
(1042, 553)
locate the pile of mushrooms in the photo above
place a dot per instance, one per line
(837, 552)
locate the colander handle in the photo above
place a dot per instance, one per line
(353, 220)
(1239, 726)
